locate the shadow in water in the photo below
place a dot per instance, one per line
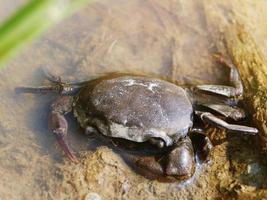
(247, 163)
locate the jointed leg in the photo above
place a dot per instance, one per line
(201, 143)
(57, 79)
(39, 89)
(57, 87)
(226, 110)
(51, 77)
(234, 74)
(227, 91)
(235, 91)
(211, 119)
(58, 124)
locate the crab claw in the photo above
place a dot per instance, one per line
(65, 147)
(59, 126)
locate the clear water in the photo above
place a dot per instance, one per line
(163, 38)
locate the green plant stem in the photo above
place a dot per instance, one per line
(32, 20)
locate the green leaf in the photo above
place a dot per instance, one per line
(32, 20)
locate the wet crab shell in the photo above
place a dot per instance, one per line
(135, 108)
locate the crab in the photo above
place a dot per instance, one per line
(147, 110)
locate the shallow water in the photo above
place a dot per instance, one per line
(167, 38)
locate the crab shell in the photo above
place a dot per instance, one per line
(135, 108)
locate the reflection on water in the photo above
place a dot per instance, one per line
(166, 38)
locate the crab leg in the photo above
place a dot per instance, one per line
(57, 79)
(210, 118)
(225, 110)
(51, 77)
(59, 88)
(201, 143)
(40, 89)
(234, 74)
(59, 125)
(228, 91)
